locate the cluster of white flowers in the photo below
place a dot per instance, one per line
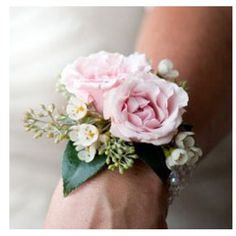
(84, 136)
(185, 151)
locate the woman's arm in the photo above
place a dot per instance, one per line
(199, 42)
(135, 200)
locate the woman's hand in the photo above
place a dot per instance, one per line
(136, 199)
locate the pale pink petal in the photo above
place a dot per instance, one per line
(101, 71)
(147, 113)
(142, 101)
(152, 124)
(132, 105)
(135, 120)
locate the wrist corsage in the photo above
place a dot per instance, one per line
(119, 110)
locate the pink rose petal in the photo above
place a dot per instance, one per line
(135, 120)
(153, 112)
(101, 71)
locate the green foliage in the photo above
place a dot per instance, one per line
(75, 172)
(49, 122)
(120, 154)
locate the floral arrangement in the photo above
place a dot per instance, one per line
(118, 110)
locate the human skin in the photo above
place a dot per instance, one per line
(198, 41)
(111, 201)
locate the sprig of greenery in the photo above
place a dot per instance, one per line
(49, 122)
(57, 125)
(120, 154)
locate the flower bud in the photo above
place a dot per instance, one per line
(165, 69)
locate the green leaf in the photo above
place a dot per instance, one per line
(75, 172)
(154, 157)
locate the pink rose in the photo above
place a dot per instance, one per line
(145, 108)
(89, 77)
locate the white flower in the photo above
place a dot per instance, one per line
(86, 154)
(193, 155)
(184, 140)
(165, 69)
(84, 135)
(177, 157)
(76, 109)
(74, 133)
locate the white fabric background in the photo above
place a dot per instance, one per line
(43, 41)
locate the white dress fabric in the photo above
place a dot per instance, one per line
(43, 41)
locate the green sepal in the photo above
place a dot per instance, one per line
(75, 172)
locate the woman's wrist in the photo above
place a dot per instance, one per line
(137, 199)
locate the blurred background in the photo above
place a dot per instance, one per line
(43, 41)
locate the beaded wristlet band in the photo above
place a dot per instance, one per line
(119, 110)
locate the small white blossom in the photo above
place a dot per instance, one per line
(76, 109)
(84, 134)
(86, 154)
(177, 157)
(193, 155)
(73, 134)
(165, 69)
(85, 139)
(184, 140)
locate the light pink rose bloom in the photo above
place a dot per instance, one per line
(88, 77)
(145, 108)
